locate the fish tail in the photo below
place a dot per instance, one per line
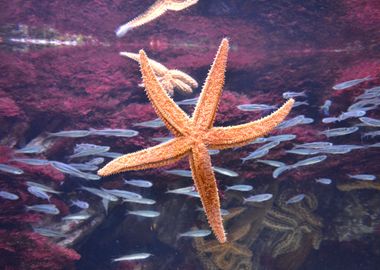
(122, 30)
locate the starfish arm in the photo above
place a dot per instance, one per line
(171, 114)
(153, 157)
(159, 69)
(205, 111)
(177, 74)
(183, 87)
(227, 137)
(180, 5)
(205, 183)
(153, 12)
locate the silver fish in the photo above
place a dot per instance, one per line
(282, 138)
(364, 177)
(314, 145)
(156, 123)
(303, 151)
(190, 101)
(114, 132)
(42, 187)
(295, 199)
(184, 173)
(255, 154)
(339, 131)
(368, 95)
(364, 105)
(77, 216)
(144, 213)
(32, 161)
(340, 149)
(309, 161)
(122, 193)
(288, 95)
(83, 166)
(374, 145)
(225, 171)
(138, 183)
(80, 204)
(39, 193)
(259, 140)
(49, 233)
(132, 257)
(351, 114)
(71, 133)
(10, 169)
(213, 152)
(300, 103)
(65, 168)
(95, 161)
(268, 146)
(140, 200)
(195, 233)
(372, 134)
(50, 209)
(223, 212)
(31, 149)
(324, 181)
(255, 107)
(277, 172)
(348, 84)
(240, 188)
(306, 121)
(109, 154)
(259, 198)
(329, 120)
(273, 163)
(370, 121)
(84, 149)
(375, 89)
(194, 194)
(162, 139)
(291, 122)
(325, 108)
(101, 193)
(8, 195)
(184, 190)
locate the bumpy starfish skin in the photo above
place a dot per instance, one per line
(194, 135)
(169, 78)
(153, 12)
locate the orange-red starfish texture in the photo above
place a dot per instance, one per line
(155, 11)
(193, 136)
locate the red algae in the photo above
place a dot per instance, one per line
(27, 250)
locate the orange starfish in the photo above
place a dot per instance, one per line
(194, 135)
(155, 11)
(170, 79)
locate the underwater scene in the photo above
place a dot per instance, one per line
(190, 134)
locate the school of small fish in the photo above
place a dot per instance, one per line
(94, 155)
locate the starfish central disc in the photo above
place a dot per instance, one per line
(193, 135)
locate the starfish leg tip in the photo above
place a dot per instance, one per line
(102, 172)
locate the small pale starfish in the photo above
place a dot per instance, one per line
(153, 12)
(194, 135)
(169, 78)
